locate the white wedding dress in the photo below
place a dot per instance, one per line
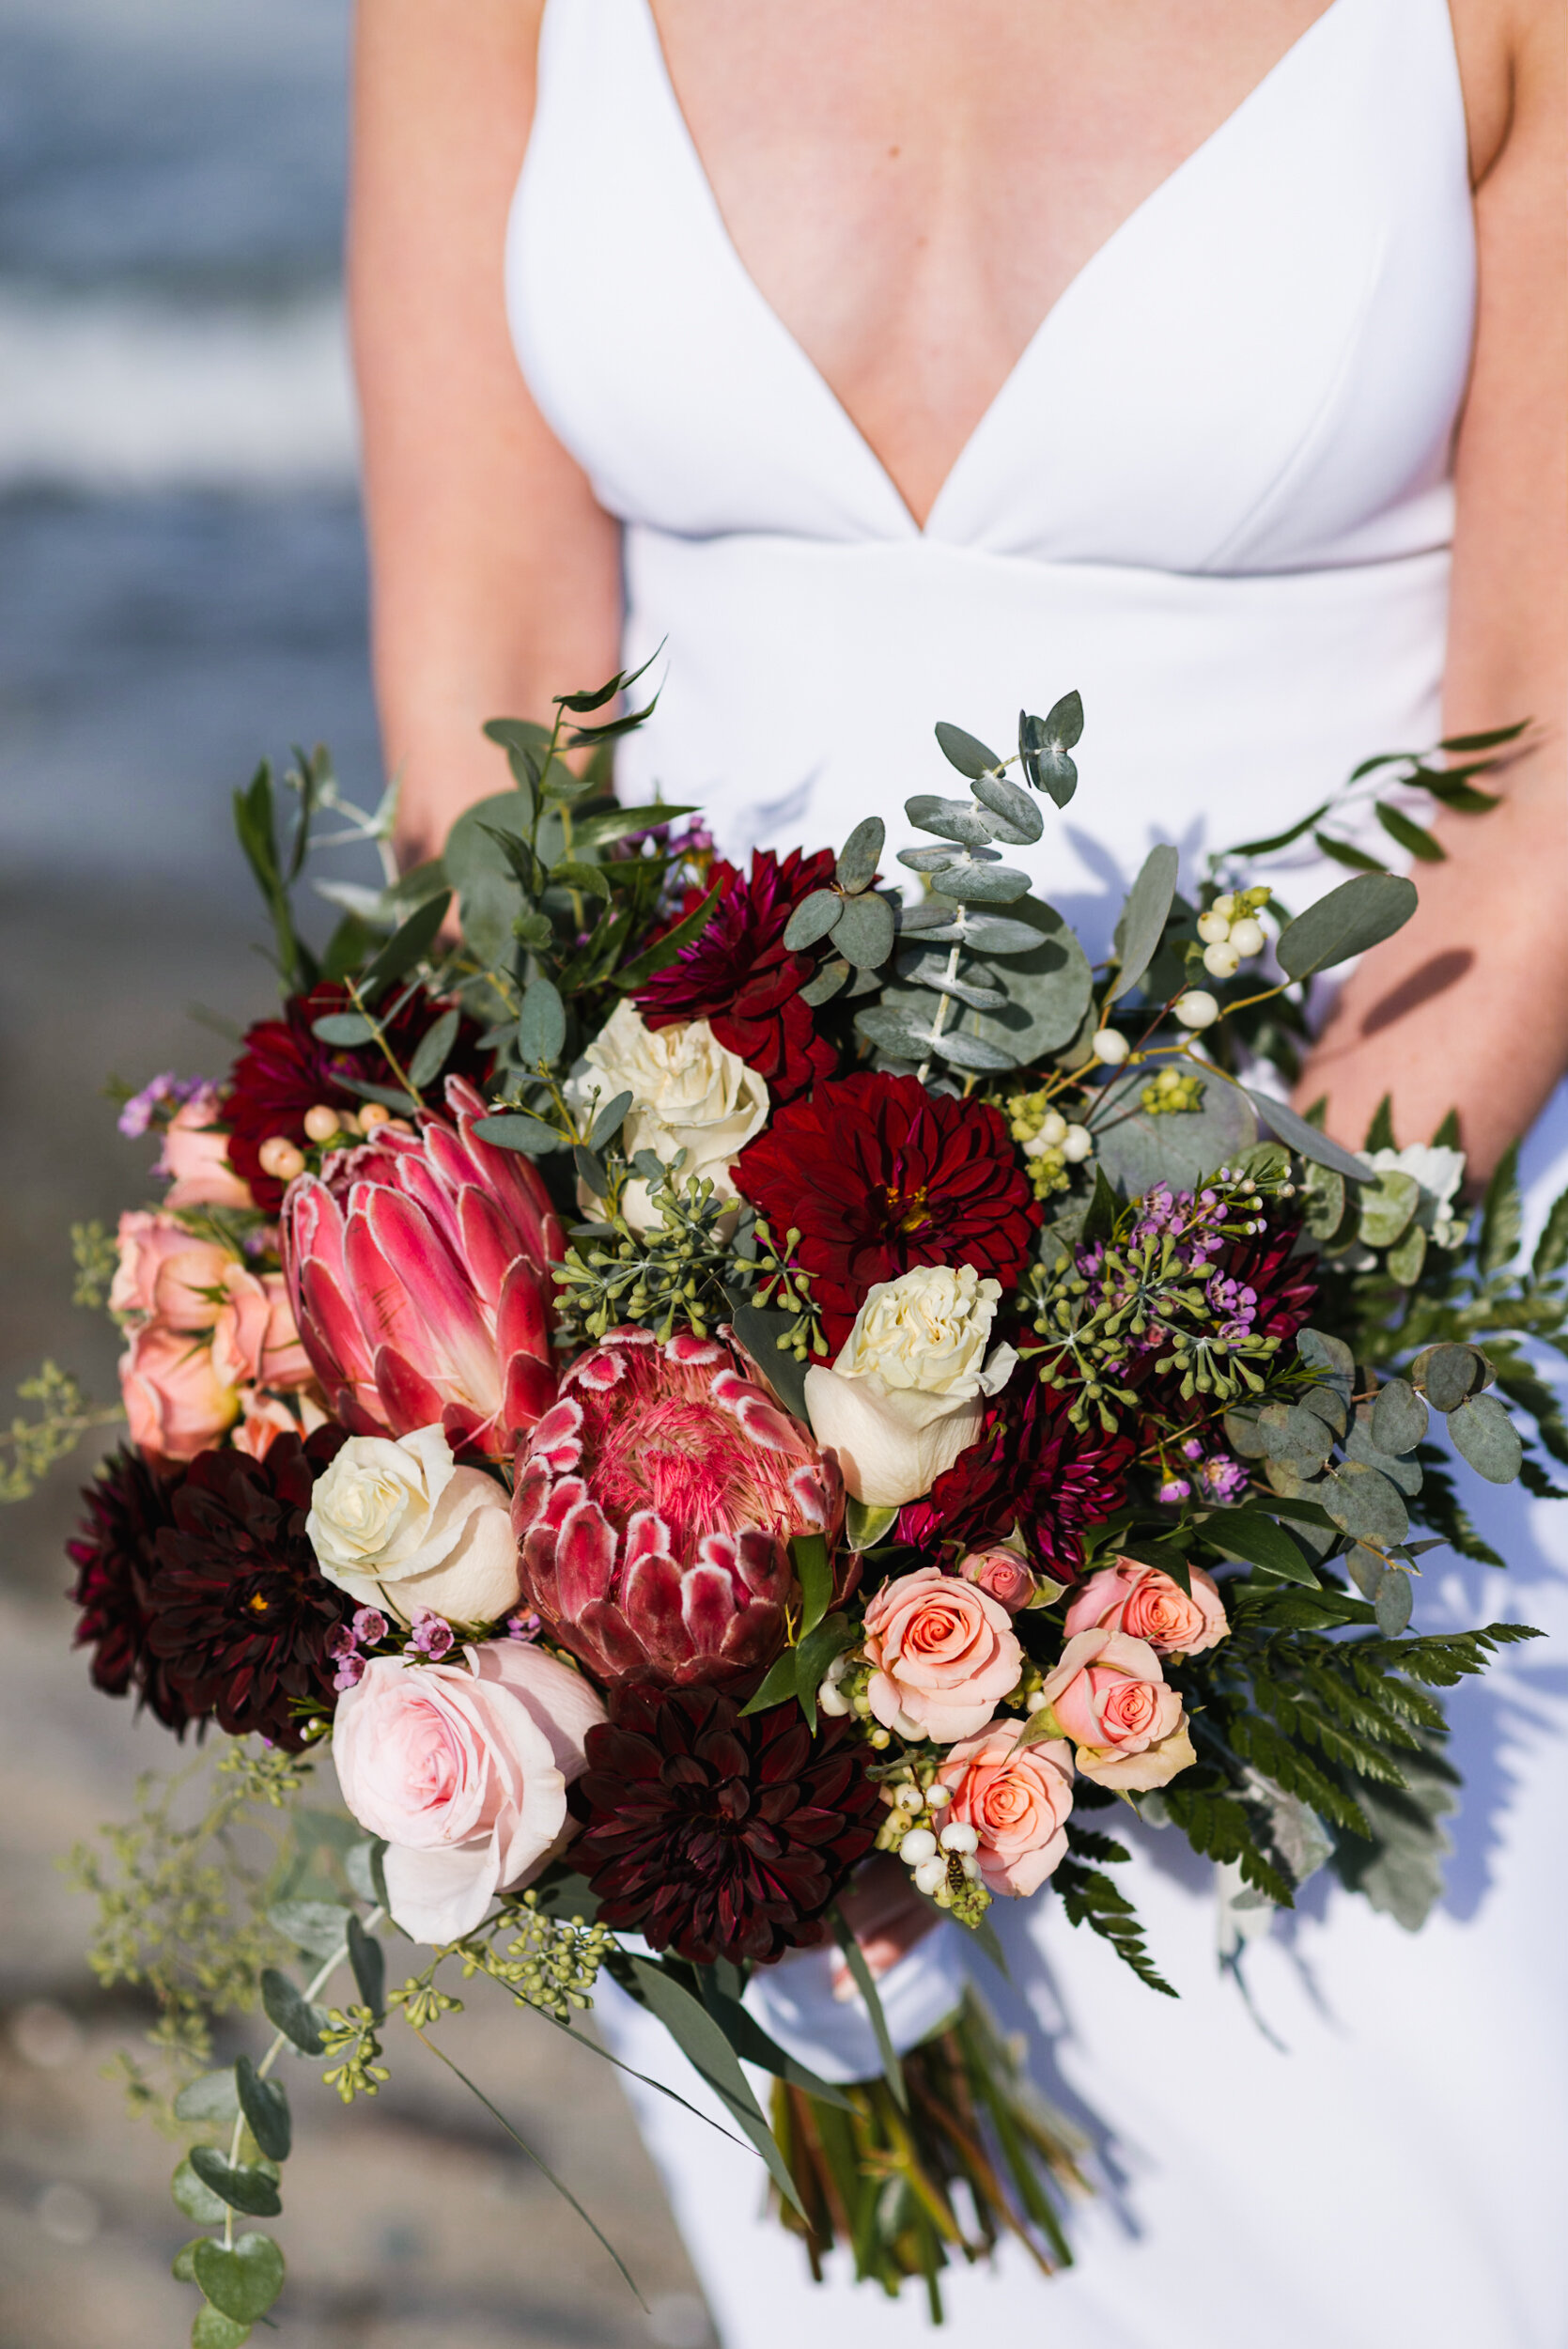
(1213, 496)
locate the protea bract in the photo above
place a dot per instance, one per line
(419, 1270)
(655, 1505)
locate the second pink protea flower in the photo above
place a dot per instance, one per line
(656, 1503)
(419, 1271)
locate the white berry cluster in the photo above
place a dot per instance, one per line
(1231, 931)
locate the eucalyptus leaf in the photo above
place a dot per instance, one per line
(1020, 818)
(430, 1054)
(1393, 1601)
(1405, 1261)
(929, 860)
(609, 1121)
(863, 933)
(1389, 1200)
(1399, 1417)
(342, 1028)
(1140, 1148)
(408, 945)
(214, 2096)
(368, 1958)
(1324, 1195)
(1447, 1374)
(1483, 1431)
(517, 1129)
(1366, 1568)
(1288, 1431)
(951, 819)
(1413, 837)
(984, 933)
(930, 970)
(812, 919)
(212, 2329)
(1049, 984)
(541, 1024)
(243, 2186)
(1043, 744)
(964, 750)
(974, 884)
(1144, 916)
(1398, 1467)
(975, 1054)
(317, 1927)
(197, 2203)
(900, 1033)
(1304, 1139)
(287, 2011)
(858, 859)
(1358, 915)
(1327, 1355)
(244, 2280)
(264, 2106)
(825, 985)
(1363, 1503)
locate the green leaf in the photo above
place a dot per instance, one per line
(780, 1683)
(1380, 1132)
(541, 1024)
(1346, 852)
(633, 974)
(243, 2283)
(1043, 744)
(1494, 739)
(1411, 836)
(264, 2106)
(582, 737)
(865, 1525)
(1483, 1431)
(964, 752)
(1099, 1219)
(1387, 1203)
(196, 2202)
(1016, 817)
(1279, 839)
(516, 1129)
(1406, 1262)
(825, 985)
(1143, 917)
(1246, 1533)
(1502, 1214)
(242, 2185)
(1364, 1504)
(1399, 1417)
(1324, 1192)
(1358, 914)
(1046, 980)
(369, 1960)
(182, 2266)
(707, 2050)
(764, 1334)
(342, 1028)
(407, 945)
(858, 859)
(430, 1054)
(1090, 1898)
(865, 931)
(1551, 1249)
(812, 1566)
(1448, 1374)
(212, 2329)
(752, 2045)
(1392, 1602)
(213, 2097)
(817, 1651)
(864, 1982)
(812, 919)
(980, 884)
(572, 873)
(1304, 1139)
(287, 2011)
(1138, 1148)
(899, 1033)
(317, 1927)
(607, 1123)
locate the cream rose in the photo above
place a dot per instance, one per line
(908, 1391)
(688, 1092)
(399, 1525)
(1017, 1799)
(463, 1767)
(1148, 1605)
(1109, 1695)
(943, 1654)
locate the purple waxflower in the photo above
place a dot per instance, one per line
(350, 1672)
(370, 1626)
(139, 1112)
(431, 1636)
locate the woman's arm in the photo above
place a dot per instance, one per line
(1467, 1006)
(496, 575)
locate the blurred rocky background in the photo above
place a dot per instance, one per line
(182, 591)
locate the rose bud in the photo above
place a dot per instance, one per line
(1001, 1572)
(1148, 1605)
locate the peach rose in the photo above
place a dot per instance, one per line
(1016, 1798)
(1148, 1605)
(263, 1418)
(165, 1274)
(1109, 1695)
(174, 1398)
(944, 1655)
(463, 1767)
(255, 1342)
(1001, 1572)
(197, 1158)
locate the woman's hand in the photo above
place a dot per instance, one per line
(887, 1917)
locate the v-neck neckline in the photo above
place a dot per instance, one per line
(1088, 269)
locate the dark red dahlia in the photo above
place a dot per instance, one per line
(116, 1555)
(238, 1611)
(741, 977)
(718, 1836)
(879, 1176)
(1031, 1468)
(283, 1071)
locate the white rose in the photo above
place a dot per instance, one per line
(689, 1093)
(908, 1389)
(398, 1525)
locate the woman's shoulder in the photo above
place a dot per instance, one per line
(1512, 60)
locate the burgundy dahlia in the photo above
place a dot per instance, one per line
(741, 977)
(880, 1175)
(1032, 1468)
(239, 1612)
(656, 1503)
(116, 1556)
(284, 1070)
(718, 1836)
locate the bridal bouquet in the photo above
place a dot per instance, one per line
(734, 1405)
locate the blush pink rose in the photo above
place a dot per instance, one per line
(263, 1418)
(463, 1767)
(255, 1342)
(1017, 1800)
(197, 1158)
(1001, 1572)
(1148, 1605)
(174, 1398)
(1109, 1696)
(165, 1274)
(943, 1653)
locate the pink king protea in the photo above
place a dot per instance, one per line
(655, 1505)
(419, 1270)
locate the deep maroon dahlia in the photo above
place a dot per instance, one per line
(1032, 1467)
(283, 1071)
(741, 977)
(238, 1611)
(879, 1176)
(116, 1556)
(717, 1836)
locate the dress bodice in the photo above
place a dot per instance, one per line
(1214, 493)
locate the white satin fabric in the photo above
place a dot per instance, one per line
(1213, 496)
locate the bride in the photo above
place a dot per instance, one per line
(891, 360)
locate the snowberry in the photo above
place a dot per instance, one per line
(1197, 1008)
